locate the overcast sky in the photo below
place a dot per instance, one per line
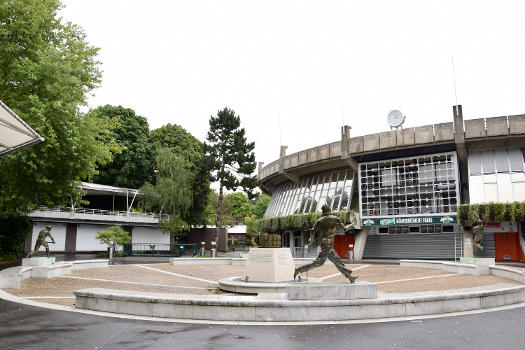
(181, 61)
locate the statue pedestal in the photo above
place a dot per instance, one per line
(478, 261)
(269, 265)
(38, 261)
(331, 291)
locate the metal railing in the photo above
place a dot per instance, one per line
(159, 249)
(93, 212)
(312, 247)
(298, 252)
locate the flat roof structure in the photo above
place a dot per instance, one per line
(14, 132)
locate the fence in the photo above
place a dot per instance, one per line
(70, 212)
(159, 249)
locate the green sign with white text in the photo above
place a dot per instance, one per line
(410, 220)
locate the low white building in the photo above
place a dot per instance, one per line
(75, 229)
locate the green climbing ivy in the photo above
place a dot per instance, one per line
(491, 212)
(298, 221)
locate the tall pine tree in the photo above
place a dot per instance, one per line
(230, 157)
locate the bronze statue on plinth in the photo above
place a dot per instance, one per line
(326, 226)
(41, 241)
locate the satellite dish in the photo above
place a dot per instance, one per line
(395, 119)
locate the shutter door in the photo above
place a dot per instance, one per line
(414, 246)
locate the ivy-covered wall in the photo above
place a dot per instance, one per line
(298, 221)
(491, 212)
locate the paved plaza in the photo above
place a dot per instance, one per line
(203, 279)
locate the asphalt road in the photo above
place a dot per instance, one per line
(29, 327)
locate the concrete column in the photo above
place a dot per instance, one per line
(290, 176)
(259, 168)
(345, 147)
(461, 150)
(468, 249)
(359, 244)
(71, 238)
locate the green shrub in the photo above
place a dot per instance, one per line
(297, 221)
(469, 214)
(113, 237)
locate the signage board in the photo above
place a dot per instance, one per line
(410, 220)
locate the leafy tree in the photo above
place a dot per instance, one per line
(172, 193)
(47, 68)
(251, 228)
(179, 141)
(230, 157)
(261, 203)
(185, 145)
(114, 237)
(133, 167)
(211, 209)
(240, 206)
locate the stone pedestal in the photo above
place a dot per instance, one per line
(38, 261)
(468, 249)
(269, 265)
(478, 261)
(331, 291)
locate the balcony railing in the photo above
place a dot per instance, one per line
(97, 214)
(159, 249)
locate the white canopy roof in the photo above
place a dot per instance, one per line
(14, 132)
(98, 189)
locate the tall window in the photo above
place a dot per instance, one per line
(410, 186)
(312, 192)
(496, 175)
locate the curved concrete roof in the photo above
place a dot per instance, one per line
(504, 131)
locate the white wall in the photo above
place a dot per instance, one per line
(149, 235)
(58, 231)
(86, 240)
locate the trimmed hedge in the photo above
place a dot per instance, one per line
(491, 212)
(298, 221)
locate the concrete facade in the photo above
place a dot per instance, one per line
(437, 134)
(461, 138)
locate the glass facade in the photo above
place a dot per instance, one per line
(496, 175)
(313, 191)
(409, 186)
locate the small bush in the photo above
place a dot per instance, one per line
(114, 237)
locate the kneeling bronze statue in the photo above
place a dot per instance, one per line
(326, 226)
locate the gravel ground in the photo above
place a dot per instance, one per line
(208, 272)
(443, 283)
(130, 273)
(377, 273)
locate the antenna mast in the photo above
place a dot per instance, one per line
(342, 109)
(454, 80)
(280, 133)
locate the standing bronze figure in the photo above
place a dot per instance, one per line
(41, 241)
(326, 227)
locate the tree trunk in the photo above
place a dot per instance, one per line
(219, 216)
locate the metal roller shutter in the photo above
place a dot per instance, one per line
(414, 246)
